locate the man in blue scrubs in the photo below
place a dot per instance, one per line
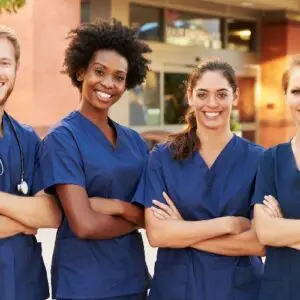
(22, 271)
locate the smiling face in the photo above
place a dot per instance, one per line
(8, 69)
(293, 94)
(212, 98)
(104, 80)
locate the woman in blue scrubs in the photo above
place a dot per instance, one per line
(98, 255)
(277, 209)
(207, 250)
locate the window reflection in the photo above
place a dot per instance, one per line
(187, 29)
(148, 20)
(175, 102)
(241, 35)
(144, 102)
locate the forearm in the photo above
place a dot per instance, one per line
(181, 234)
(242, 244)
(9, 227)
(278, 232)
(100, 226)
(119, 208)
(36, 212)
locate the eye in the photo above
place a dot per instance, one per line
(202, 96)
(99, 72)
(296, 92)
(222, 96)
(120, 78)
(5, 63)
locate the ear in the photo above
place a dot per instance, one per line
(189, 95)
(236, 98)
(80, 75)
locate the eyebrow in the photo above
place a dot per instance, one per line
(219, 90)
(104, 66)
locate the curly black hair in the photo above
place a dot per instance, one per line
(91, 37)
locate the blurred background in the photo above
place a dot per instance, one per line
(256, 36)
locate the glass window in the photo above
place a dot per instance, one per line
(186, 28)
(148, 20)
(85, 9)
(144, 102)
(242, 35)
(174, 98)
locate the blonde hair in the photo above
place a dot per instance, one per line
(10, 34)
(295, 62)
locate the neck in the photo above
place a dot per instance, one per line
(1, 119)
(98, 117)
(296, 139)
(211, 138)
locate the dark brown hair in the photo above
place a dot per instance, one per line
(184, 143)
(295, 62)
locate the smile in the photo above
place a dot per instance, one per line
(103, 96)
(212, 115)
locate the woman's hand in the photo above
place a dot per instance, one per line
(165, 211)
(272, 207)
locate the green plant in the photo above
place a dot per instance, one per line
(235, 125)
(11, 6)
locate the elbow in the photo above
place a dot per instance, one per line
(153, 238)
(156, 238)
(82, 231)
(260, 250)
(56, 220)
(266, 237)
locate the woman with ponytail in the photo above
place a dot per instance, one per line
(207, 249)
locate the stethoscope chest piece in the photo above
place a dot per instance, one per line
(23, 188)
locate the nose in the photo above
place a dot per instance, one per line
(107, 82)
(212, 102)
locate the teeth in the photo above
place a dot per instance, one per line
(103, 95)
(211, 114)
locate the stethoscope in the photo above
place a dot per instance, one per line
(22, 187)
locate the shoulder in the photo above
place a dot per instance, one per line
(63, 127)
(276, 152)
(251, 146)
(25, 131)
(133, 136)
(161, 152)
(61, 135)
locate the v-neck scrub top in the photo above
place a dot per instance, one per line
(202, 193)
(22, 270)
(77, 152)
(278, 176)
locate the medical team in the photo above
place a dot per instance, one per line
(212, 202)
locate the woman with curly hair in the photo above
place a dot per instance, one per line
(98, 252)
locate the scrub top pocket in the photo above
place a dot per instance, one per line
(169, 282)
(273, 290)
(7, 275)
(246, 283)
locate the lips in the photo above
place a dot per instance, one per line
(211, 115)
(103, 96)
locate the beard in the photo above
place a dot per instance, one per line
(3, 99)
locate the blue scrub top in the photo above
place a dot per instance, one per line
(202, 193)
(278, 176)
(77, 152)
(22, 271)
